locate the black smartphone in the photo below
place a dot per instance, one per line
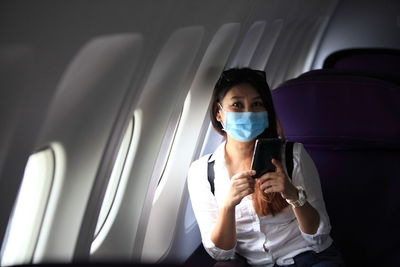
(265, 150)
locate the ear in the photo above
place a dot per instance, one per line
(219, 116)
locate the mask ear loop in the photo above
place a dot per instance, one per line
(219, 104)
(223, 110)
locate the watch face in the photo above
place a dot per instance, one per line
(302, 193)
(302, 198)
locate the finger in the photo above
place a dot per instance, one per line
(271, 176)
(243, 174)
(251, 180)
(270, 190)
(265, 185)
(266, 177)
(246, 192)
(241, 187)
(274, 187)
(277, 165)
(276, 179)
(268, 184)
(244, 181)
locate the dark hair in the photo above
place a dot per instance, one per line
(257, 79)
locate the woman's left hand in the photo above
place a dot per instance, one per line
(278, 182)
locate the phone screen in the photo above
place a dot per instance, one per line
(264, 151)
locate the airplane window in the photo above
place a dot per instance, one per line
(114, 179)
(32, 199)
(168, 140)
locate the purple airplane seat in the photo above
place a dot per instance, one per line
(350, 125)
(380, 63)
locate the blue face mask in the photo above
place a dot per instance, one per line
(245, 126)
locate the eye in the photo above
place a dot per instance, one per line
(237, 105)
(258, 104)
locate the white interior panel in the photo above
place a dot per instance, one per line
(266, 45)
(104, 65)
(249, 45)
(158, 240)
(159, 100)
(358, 24)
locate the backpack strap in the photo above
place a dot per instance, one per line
(210, 173)
(289, 158)
(289, 165)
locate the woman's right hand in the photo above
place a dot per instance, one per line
(242, 184)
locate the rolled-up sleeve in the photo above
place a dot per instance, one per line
(306, 175)
(205, 207)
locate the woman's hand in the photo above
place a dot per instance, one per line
(224, 232)
(278, 182)
(242, 184)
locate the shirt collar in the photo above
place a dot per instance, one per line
(219, 153)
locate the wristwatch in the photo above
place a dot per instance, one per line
(302, 198)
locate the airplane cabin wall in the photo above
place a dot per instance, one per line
(74, 74)
(361, 24)
(253, 49)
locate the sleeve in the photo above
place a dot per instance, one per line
(306, 175)
(205, 208)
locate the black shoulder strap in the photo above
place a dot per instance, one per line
(289, 158)
(210, 172)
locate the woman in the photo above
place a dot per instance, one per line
(273, 221)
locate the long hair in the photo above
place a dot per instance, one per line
(264, 204)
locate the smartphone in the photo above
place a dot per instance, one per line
(265, 150)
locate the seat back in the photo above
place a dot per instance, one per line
(350, 125)
(382, 63)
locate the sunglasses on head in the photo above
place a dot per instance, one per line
(230, 75)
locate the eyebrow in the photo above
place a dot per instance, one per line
(241, 97)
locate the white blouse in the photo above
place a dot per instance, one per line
(262, 240)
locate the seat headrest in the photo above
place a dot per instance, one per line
(384, 63)
(330, 106)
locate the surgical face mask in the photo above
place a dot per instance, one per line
(244, 126)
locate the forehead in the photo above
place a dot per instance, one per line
(241, 90)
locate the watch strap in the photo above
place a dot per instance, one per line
(302, 198)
